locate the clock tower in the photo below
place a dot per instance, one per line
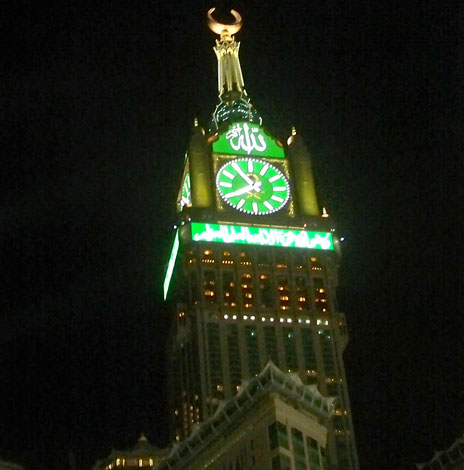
(253, 270)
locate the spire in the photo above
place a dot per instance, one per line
(230, 76)
(234, 103)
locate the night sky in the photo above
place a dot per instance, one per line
(97, 106)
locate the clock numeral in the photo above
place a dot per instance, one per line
(264, 169)
(240, 203)
(225, 184)
(280, 188)
(268, 205)
(229, 175)
(274, 178)
(255, 207)
(277, 198)
(250, 166)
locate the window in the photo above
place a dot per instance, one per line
(246, 284)
(194, 288)
(281, 462)
(299, 261)
(302, 295)
(316, 266)
(290, 350)
(298, 450)
(320, 296)
(229, 290)
(308, 349)
(281, 260)
(342, 452)
(191, 258)
(283, 290)
(209, 286)
(312, 449)
(270, 342)
(208, 257)
(215, 365)
(235, 369)
(251, 339)
(263, 258)
(328, 354)
(272, 433)
(227, 257)
(265, 290)
(277, 433)
(245, 259)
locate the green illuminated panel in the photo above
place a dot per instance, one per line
(245, 138)
(186, 196)
(261, 236)
(171, 264)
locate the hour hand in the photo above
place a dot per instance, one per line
(240, 191)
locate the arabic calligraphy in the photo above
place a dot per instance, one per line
(246, 138)
(261, 236)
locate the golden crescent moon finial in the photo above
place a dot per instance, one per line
(226, 31)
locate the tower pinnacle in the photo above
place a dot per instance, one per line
(226, 31)
(230, 76)
(234, 102)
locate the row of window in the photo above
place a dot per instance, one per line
(230, 290)
(132, 462)
(264, 258)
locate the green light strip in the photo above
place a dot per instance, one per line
(262, 236)
(245, 138)
(171, 264)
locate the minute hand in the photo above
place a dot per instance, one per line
(241, 173)
(240, 191)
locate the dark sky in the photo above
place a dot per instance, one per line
(97, 105)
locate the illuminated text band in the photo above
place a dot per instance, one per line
(262, 236)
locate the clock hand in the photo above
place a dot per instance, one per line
(242, 174)
(240, 191)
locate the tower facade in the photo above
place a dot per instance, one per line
(253, 270)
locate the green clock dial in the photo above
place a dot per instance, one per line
(186, 197)
(252, 186)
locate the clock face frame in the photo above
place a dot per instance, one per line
(252, 186)
(184, 196)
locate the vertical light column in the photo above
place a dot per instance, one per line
(200, 178)
(302, 176)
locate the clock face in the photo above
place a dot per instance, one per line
(252, 186)
(186, 198)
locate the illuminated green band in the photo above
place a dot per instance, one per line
(245, 138)
(249, 235)
(171, 264)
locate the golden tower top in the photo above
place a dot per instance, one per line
(225, 31)
(230, 76)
